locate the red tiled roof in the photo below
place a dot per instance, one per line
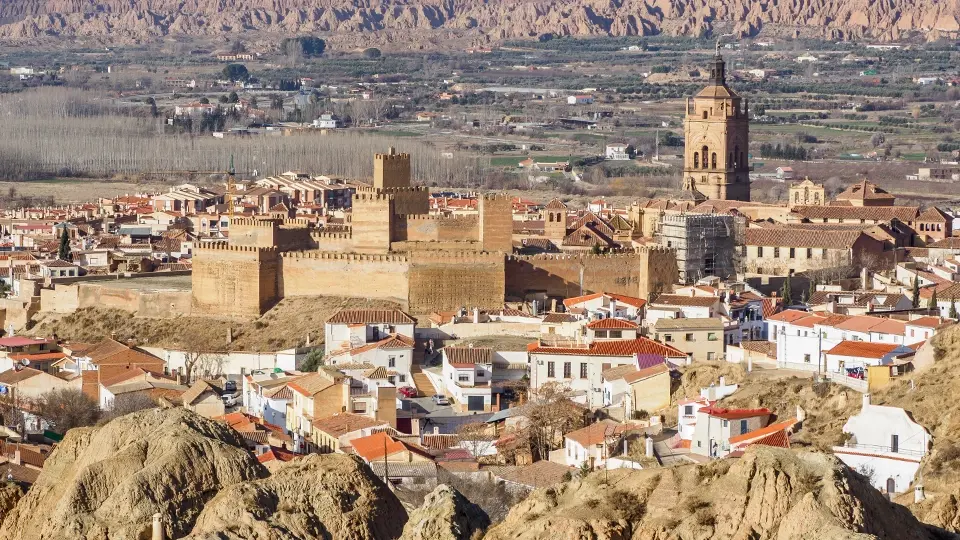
(371, 316)
(612, 324)
(646, 373)
(683, 300)
(468, 356)
(764, 431)
(627, 347)
(372, 447)
(863, 349)
(789, 316)
(734, 414)
(800, 238)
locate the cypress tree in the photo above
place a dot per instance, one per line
(916, 292)
(953, 308)
(63, 252)
(932, 304)
(785, 292)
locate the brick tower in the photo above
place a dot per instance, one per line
(717, 136)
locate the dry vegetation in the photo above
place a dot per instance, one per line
(67, 132)
(286, 325)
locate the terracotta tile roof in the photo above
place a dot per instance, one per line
(197, 390)
(952, 242)
(280, 392)
(557, 318)
(343, 423)
(764, 431)
(761, 346)
(646, 373)
(790, 237)
(378, 372)
(905, 214)
(276, 454)
(927, 322)
(371, 316)
(597, 433)
(856, 298)
(468, 356)
(618, 372)
(694, 323)
(863, 190)
(372, 447)
(444, 441)
(580, 299)
(612, 324)
(393, 341)
(12, 376)
(734, 414)
(627, 347)
(685, 301)
(541, 474)
(811, 320)
(863, 349)
(312, 383)
(556, 204)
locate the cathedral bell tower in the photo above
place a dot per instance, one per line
(716, 131)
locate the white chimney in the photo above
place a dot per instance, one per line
(613, 307)
(157, 527)
(801, 414)
(436, 430)
(723, 381)
(649, 447)
(866, 400)
(476, 315)
(918, 495)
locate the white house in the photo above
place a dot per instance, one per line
(617, 152)
(784, 173)
(807, 59)
(265, 394)
(848, 355)
(603, 305)
(352, 328)
(675, 306)
(603, 329)
(393, 353)
(715, 426)
(592, 444)
(886, 446)
(468, 377)
(580, 99)
(581, 367)
(327, 121)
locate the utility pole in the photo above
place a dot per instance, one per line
(386, 474)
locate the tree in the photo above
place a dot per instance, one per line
(953, 308)
(313, 361)
(306, 45)
(916, 292)
(477, 438)
(63, 251)
(786, 293)
(125, 404)
(223, 99)
(67, 408)
(236, 72)
(153, 107)
(372, 53)
(932, 304)
(205, 100)
(234, 98)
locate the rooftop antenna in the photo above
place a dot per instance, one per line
(231, 186)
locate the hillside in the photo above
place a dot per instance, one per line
(768, 494)
(413, 22)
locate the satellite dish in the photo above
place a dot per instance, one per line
(25, 362)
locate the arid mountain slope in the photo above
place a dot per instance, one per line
(483, 21)
(768, 494)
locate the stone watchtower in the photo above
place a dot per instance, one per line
(555, 221)
(716, 132)
(391, 170)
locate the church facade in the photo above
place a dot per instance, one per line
(716, 131)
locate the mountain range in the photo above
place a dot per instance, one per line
(479, 21)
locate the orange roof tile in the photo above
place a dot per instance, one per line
(373, 447)
(863, 349)
(788, 315)
(646, 373)
(764, 431)
(612, 324)
(734, 414)
(627, 347)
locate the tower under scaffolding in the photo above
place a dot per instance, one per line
(706, 244)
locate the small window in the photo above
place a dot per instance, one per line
(712, 336)
(566, 370)
(809, 253)
(616, 334)
(776, 252)
(688, 410)
(743, 426)
(550, 370)
(726, 423)
(392, 361)
(711, 356)
(689, 337)
(806, 358)
(667, 338)
(583, 370)
(479, 374)
(464, 378)
(600, 333)
(793, 253)
(759, 251)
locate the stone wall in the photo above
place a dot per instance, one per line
(370, 221)
(634, 274)
(265, 233)
(431, 228)
(234, 281)
(496, 223)
(391, 170)
(446, 281)
(341, 241)
(315, 273)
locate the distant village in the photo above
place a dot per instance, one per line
(524, 373)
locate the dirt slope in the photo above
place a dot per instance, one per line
(768, 494)
(446, 515)
(109, 481)
(414, 22)
(318, 496)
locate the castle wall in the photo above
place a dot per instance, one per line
(265, 233)
(391, 170)
(234, 281)
(435, 246)
(371, 222)
(410, 200)
(314, 273)
(633, 274)
(496, 223)
(331, 241)
(447, 281)
(430, 228)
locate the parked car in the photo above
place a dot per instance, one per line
(230, 400)
(441, 399)
(407, 392)
(230, 387)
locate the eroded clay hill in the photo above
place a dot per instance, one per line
(411, 21)
(768, 494)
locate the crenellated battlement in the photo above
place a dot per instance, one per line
(641, 252)
(300, 223)
(392, 157)
(458, 257)
(371, 197)
(359, 257)
(496, 197)
(263, 223)
(437, 217)
(224, 246)
(335, 235)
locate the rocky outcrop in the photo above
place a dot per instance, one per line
(317, 496)
(399, 20)
(108, 481)
(769, 493)
(10, 493)
(446, 515)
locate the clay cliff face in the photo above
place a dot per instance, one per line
(768, 494)
(481, 20)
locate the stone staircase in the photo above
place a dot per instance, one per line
(424, 386)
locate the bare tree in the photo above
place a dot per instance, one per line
(478, 438)
(67, 408)
(125, 404)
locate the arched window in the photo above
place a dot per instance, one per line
(736, 154)
(551, 217)
(704, 115)
(713, 160)
(696, 160)
(705, 152)
(796, 196)
(729, 160)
